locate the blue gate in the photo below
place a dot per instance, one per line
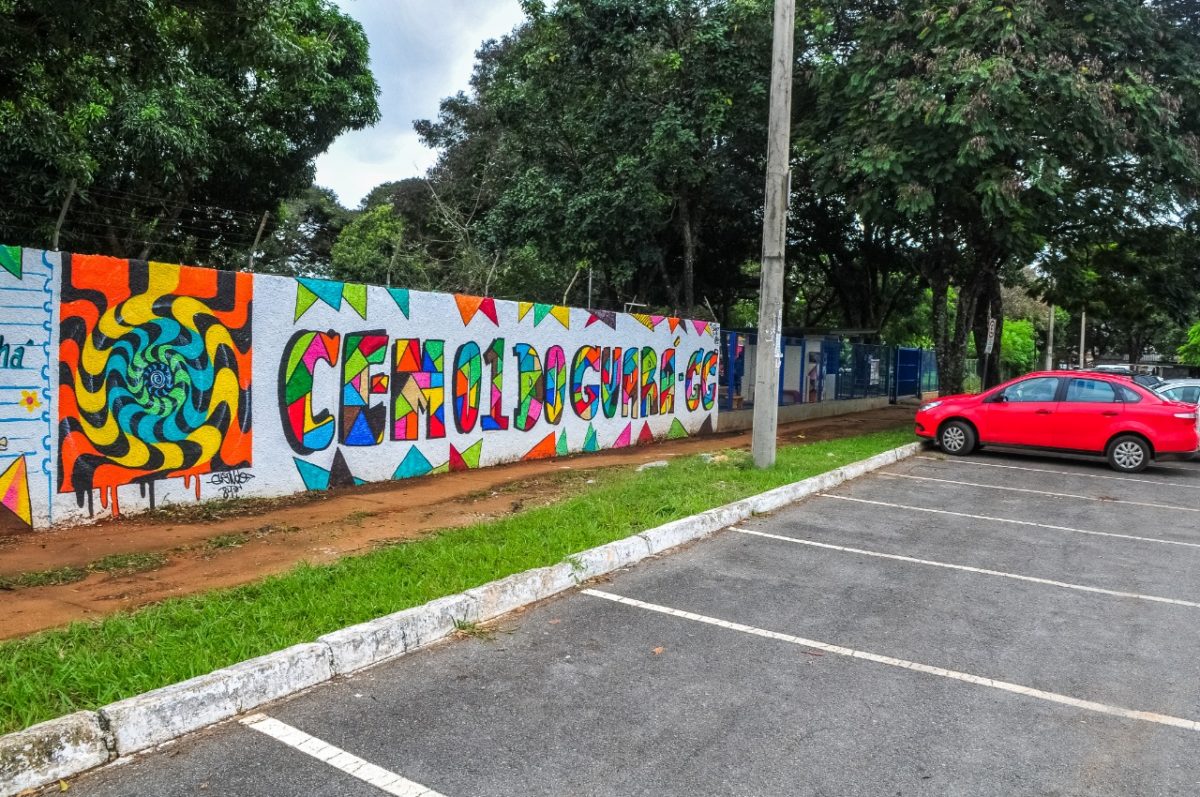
(908, 373)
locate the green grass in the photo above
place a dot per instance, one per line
(122, 564)
(44, 578)
(126, 564)
(226, 541)
(87, 665)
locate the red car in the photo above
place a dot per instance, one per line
(1067, 411)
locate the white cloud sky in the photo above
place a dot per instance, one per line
(421, 51)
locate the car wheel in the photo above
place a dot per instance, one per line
(1129, 454)
(957, 438)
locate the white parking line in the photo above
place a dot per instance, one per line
(1039, 492)
(1066, 473)
(380, 778)
(1052, 697)
(968, 569)
(1133, 537)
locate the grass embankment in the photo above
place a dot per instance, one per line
(87, 665)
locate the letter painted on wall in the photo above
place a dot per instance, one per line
(306, 427)
(154, 375)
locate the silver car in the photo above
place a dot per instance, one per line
(1186, 390)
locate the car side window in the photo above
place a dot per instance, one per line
(1128, 395)
(1190, 394)
(1042, 388)
(1092, 391)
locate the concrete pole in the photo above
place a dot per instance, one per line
(770, 296)
(1050, 342)
(1083, 340)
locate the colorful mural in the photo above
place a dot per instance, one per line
(127, 384)
(154, 376)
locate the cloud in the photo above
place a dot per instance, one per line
(420, 53)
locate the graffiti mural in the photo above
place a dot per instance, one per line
(154, 376)
(126, 385)
(469, 381)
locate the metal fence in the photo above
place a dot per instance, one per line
(816, 369)
(929, 371)
(972, 379)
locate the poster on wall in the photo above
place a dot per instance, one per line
(127, 385)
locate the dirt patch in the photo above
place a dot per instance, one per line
(240, 542)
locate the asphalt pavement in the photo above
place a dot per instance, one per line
(995, 625)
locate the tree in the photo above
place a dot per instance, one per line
(300, 241)
(1140, 287)
(178, 124)
(1018, 347)
(368, 250)
(1189, 353)
(988, 130)
(628, 126)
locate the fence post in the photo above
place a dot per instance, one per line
(731, 364)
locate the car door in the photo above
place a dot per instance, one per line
(1089, 415)
(1022, 414)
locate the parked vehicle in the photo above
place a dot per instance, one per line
(1185, 390)
(1067, 411)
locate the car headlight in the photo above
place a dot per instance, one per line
(929, 406)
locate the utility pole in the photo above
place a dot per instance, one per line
(1082, 340)
(1050, 342)
(770, 295)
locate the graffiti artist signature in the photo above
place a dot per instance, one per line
(230, 482)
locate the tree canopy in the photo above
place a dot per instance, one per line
(940, 147)
(176, 124)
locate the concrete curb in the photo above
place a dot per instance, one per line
(73, 744)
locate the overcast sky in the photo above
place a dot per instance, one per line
(421, 51)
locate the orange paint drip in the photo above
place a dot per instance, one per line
(109, 495)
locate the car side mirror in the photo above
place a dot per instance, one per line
(999, 398)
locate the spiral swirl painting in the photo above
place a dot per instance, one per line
(154, 375)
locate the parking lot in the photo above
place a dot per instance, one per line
(996, 625)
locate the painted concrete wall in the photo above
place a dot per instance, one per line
(126, 385)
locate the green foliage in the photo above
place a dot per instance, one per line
(990, 132)
(179, 123)
(622, 136)
(300, 242)
(1018, 347)
(368, 247)
(1189, 353)
(1140, 286)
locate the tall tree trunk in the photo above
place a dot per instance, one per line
(949, 373)
(991, 301)
(687, 231)
(672, 291)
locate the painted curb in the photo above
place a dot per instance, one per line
(73, 744)
(51, 750)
